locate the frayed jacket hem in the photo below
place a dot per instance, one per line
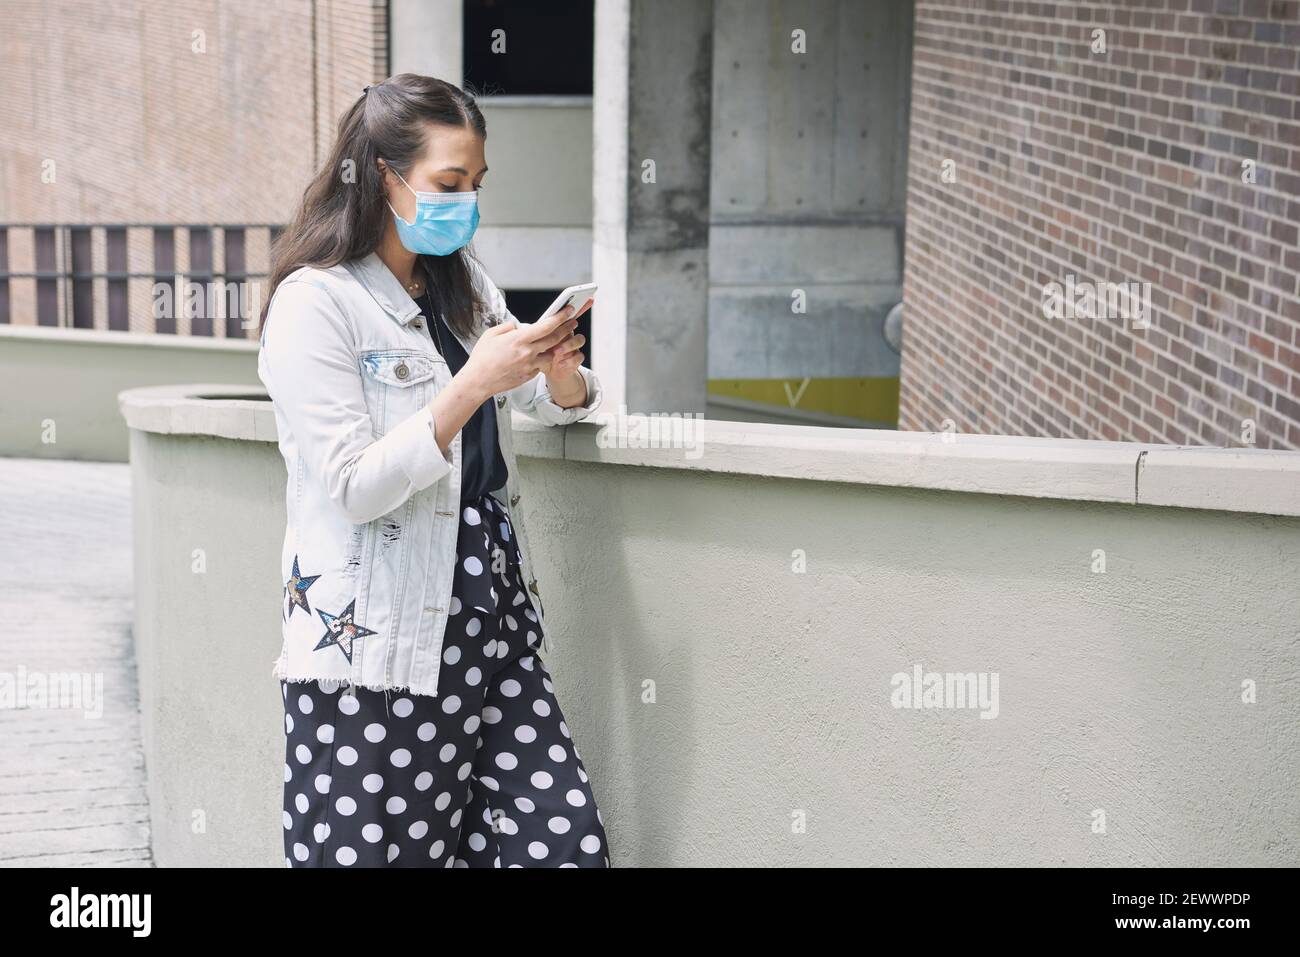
(280, 673)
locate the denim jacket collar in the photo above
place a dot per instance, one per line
(385, 288)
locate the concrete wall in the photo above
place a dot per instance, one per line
(809, 182)
(61, 385)
(1119, 691)
(425, 37)
(536, 201)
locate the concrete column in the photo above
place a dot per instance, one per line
(650, 254)
(425, 37)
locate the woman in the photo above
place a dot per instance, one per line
(421, 726)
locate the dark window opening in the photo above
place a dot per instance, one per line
(547, 47)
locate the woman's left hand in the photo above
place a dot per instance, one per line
(560, 362)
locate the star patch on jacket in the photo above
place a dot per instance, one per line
(341, 630)
(295, 590)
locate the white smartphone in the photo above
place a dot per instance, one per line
(575, 296)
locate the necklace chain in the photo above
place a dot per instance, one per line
(411, 287)
(433, 323)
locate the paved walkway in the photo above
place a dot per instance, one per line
(72, 787)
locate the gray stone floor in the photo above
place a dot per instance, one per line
(72, 786)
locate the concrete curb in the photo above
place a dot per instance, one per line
(1232, 480)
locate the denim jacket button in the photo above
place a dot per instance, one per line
(501, 402)
(514, 500)
(401, 371)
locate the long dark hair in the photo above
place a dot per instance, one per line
(342, 215)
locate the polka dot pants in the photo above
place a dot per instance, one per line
(485, 774)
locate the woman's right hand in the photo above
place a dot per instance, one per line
(507, 356)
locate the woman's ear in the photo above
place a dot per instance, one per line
(387, 181)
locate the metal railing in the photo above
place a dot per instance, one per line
(64, 275)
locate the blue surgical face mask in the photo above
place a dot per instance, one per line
(444, 222)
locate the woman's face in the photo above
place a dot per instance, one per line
(452, 163)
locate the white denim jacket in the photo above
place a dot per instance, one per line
(373, 504)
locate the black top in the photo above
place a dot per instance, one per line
(482, 471)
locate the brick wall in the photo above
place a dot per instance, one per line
(188, 111)
(1129, 165)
